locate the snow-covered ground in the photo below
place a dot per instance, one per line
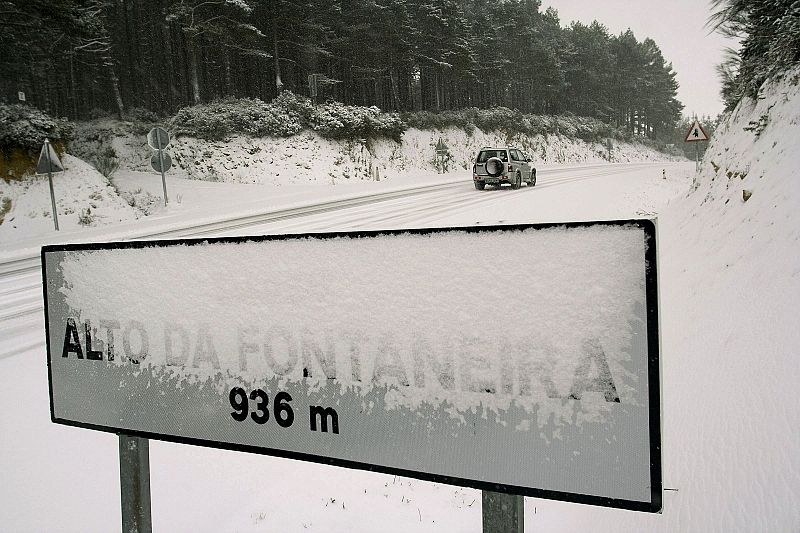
(201, 489)
(729, 283)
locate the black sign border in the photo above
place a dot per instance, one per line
(653, 365)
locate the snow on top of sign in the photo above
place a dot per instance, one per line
(471, 322)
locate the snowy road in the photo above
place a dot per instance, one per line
(201, 489)
(448, 204)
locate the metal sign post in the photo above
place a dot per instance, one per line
(134, 482)
(50, 183)
(163, 178)
(158, 139)
(47, 164)
(502, 513)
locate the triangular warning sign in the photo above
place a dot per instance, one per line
(696, 133)
(48, 160)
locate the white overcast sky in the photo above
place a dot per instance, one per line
(677, 26)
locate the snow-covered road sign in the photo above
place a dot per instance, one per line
(696, 133)
(521, 359)
(161, 162)
(158, 138)
(48, 160)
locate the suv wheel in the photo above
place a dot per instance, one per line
(517, 181)
(480, 185)
(495, 167)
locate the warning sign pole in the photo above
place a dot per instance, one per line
(49, 163)
(50, 181)
(52, 193)
(163, 178)
(696, 158)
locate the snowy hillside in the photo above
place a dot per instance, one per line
(730, 286)
(309, 158)
(736, 346)
(85, 198)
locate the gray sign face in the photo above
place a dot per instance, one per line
(48, 160)
(161, 163)
(158, 138)
(522, 359)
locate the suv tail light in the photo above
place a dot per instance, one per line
(510, 168)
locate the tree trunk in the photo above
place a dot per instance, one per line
(73, 87)
(114, 81)
(436, 89)
(169, 66)
(278, 82)
(228, 82)
(193, 78)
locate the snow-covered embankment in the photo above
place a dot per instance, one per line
(731, 260)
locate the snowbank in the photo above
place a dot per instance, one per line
(733, 326)
(730, 272)
(83, 198)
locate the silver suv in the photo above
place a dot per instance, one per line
(499, 165)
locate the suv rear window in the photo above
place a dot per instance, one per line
(486, 154)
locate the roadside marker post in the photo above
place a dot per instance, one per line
(47, 164)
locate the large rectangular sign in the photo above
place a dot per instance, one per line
(521, 359)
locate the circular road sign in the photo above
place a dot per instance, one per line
(156, 163)
(158, 138)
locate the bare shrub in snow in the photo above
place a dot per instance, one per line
(757, 126)
(144, 202)
(86, 218)
(92, 143)
(106, 161)
(5, 208)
